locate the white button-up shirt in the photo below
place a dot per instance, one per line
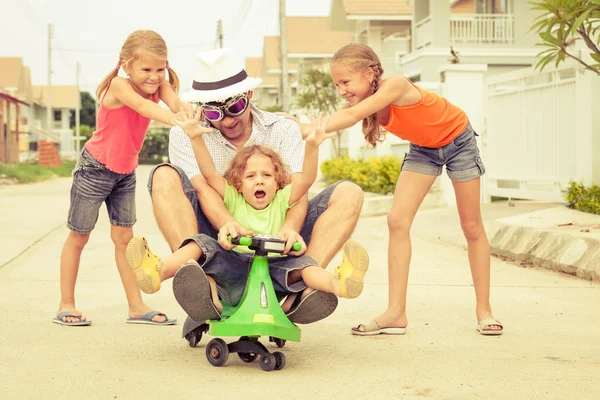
(281, 134)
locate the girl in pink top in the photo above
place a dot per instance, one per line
(105, 172)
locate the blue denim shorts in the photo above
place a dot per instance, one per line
(230, 269)
(461, 158)
(316, 206)
(93, 184)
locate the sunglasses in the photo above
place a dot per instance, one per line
(233, 107)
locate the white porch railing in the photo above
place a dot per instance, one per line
(481, 28)
(423, 32)
(469, 28)
(531, 134)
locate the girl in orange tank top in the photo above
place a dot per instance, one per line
(105, 172)
(440, 134)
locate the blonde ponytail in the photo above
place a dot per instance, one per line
(103, 87)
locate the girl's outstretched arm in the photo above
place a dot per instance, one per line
(122, 90)
(195, 131)
(170, 98)
(391, 89)
(310, 165)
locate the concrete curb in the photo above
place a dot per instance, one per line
(547, 246)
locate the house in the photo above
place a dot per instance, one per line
(15, 82)
(10, 121)
(310, 44)
(65, 100)
(267, 94)
(413, 38)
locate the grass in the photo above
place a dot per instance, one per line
(28, 173)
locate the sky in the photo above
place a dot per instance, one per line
(92, 32)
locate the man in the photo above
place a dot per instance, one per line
(184, 204)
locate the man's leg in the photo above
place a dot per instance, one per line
(176, 206)
(331, 218)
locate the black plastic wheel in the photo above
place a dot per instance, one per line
(279, 360)
(267, 362)
(247, 357)
(279, 342)
(217, 352)
(194, 339)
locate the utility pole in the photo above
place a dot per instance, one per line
(220, 33)
(285, 83)
(77, 111)
(49, 89)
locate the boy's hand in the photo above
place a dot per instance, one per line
(189, 121)
(317, 134)
(290, 237)
(233, 229)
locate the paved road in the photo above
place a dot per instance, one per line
(550, 348)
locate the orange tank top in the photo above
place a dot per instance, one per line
(432, 122)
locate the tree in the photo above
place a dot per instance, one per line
(562, 23)
(87, 112)
(317, 93)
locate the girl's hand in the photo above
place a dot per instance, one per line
(189, 121)
(317, 134)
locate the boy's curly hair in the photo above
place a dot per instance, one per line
(235, 172)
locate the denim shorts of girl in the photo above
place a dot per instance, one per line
(94, 184)
(230, 269)
(461, 158)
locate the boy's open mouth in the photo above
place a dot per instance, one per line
(259, 194)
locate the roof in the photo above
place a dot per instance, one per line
(11, 69)
(254, 67)
(6, 96)
(377, 7)
(311, 35)
(270, 61)
(62, 96)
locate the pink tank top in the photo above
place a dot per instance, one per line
(118, 138)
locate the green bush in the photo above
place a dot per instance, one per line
(377, 175)
(582, 198)
(28, 173)
(156, 146)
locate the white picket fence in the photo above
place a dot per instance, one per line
(531, 134)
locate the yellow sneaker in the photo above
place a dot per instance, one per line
(145, 265)
(351, 272)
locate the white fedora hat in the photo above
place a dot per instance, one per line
(220, 75)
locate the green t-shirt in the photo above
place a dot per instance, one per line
(267, 221)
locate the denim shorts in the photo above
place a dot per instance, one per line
(316, 206)
(461, 158)
(230, 269)
(93, 184)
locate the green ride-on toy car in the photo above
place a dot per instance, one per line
(257, 314)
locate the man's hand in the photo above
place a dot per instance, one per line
(233, 229)
(290, 237)
(189, 121)
(317, 134)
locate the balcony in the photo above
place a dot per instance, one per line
(470, 28)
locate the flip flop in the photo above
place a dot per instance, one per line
(373, 328)
(147, 319)
(314, 307)
(486, 323)
(192, 291)
(75, 313)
